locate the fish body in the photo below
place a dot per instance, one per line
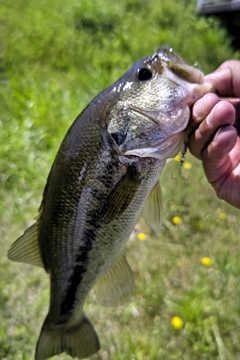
(104, 177)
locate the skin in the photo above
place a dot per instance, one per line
(213, 133)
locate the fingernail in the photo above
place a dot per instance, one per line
(198, 109)
(209, 118)
(215, 138)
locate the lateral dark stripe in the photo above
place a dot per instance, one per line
(81, 261)
(89, 236)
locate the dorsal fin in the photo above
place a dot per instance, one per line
(153, 208)
(26, 248)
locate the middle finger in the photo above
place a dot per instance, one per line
(222, 114)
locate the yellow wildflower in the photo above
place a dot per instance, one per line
(177, 323)
(177, 220)
(177, 158)
(206, 261)
(222, 216)
(187, 165)
(142, 236)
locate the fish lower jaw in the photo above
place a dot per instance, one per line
(171, 147)
(166, 149)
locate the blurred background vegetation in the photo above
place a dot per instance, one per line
(55, 56)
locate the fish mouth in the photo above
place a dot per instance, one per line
(190, 79)
(176, 70)
(178, 66)
(184, 72)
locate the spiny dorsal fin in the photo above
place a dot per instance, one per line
(116, 286)
(153, 208)
(119, 198)
(26, 249)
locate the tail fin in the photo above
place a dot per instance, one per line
(80, 341)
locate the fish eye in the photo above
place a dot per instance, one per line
(144, 74)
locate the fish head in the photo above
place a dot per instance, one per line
(153, 106)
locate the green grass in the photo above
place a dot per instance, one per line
(55, 57)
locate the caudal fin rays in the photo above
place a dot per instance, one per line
(79, 341)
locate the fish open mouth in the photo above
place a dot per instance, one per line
(191, 79)
(178, 66)
(185, 72)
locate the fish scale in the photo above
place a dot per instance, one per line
(104, 177)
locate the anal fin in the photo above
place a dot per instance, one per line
(116, 286)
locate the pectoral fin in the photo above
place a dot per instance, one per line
(153, 208)
(116, 286)
(26, 248)
(119, 198)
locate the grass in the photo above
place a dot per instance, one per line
(55, 57)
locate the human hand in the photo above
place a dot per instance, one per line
(213, 133)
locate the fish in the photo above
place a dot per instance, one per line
(104, 177)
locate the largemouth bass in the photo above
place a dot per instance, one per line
(104, 177)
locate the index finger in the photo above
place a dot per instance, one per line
(200, 110)
(226, 79)
(221, 115)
